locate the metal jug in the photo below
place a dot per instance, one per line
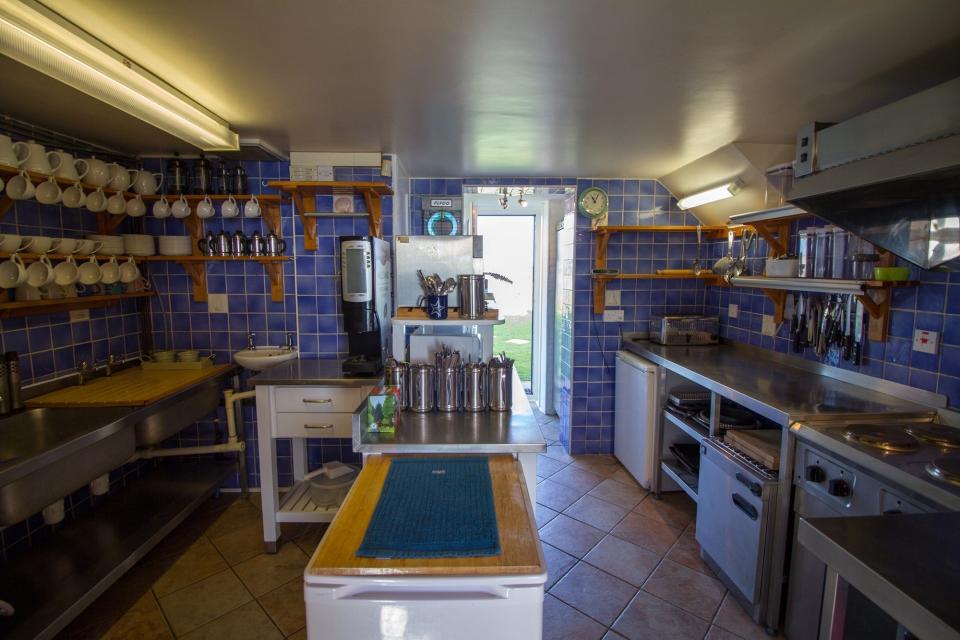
(223, 179)
(473, 295)
(275, 246)
(222, 244)
(397, 374)
(202, 176)
(239, 245)
(176, 176)
(239, 180)
(258, 246)
(208, 245)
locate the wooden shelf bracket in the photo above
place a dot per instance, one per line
(776, 234)
(107, 223)
(198, 275)
(275, 271)
(877, 304)
(779, 297)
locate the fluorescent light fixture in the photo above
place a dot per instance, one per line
(711, 195)
(39, 38)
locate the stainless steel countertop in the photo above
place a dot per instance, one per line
(771, 386)
(324, 371)
(515, 431)
(909, 565)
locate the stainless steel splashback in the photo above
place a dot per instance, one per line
(449, 256)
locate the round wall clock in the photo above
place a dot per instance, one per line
(593, 203)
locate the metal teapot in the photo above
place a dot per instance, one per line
(239, 245)
(208, 245)
(275, 246)
(258, 246)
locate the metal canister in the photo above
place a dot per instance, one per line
(474, 386)
(397, 374)
(473, 295)
(500, 385)
(422, 397)
(448, 389)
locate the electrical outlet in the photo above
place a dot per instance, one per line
(217, 302)
(613, 315)
(79, 315)
(926, 341)
(612, 298)
(733, 310)
(769, 327)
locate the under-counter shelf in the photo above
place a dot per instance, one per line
(686, 480)
(298, 506)
(56, 305)
(695, 432)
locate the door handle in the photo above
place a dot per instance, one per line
(318, 426)
(745, 506)
(754, 487)
(317, 400)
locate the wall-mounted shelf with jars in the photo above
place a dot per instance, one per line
(304, 196)
(58, 305)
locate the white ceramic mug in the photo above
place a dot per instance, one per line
(161, 208)
(65, 246)
(40, 244)
(88, 273)
(205, 208)
(251, 209)
(146, 183)
(97, 200)
(25, 293)
(62, 164)
(8, 156)
(116, 204)
(86, 247)
(20, 187)
(110, 271)
(32, 157)
(66, 272)
(135, 207)
(180, 208)
(48, 191)
(119, 177)
(74, 197)
(93, 171)
(13, 272)
(129, 271)
(229, 209)
(40, 273)
(11, 242)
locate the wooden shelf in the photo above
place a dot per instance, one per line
(653, 276)
(304, 201)
(710, 231)
(33, 307)
(260, 259)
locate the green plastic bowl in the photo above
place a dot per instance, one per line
(892, 274)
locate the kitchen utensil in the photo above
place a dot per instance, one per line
(736, 269)
(891, 274)
(205, 208)
(239, 180)
(223, 244)
(422, 397)
(129, 271)
(449, 286)
(176, 179)
(229, 208)
(120, 177)
(208, 244)
(202, 176)
(500, 383)
(66, 272)
(74, 197)
(12, 272)
(146, 183)
(20, 187)
(135, 207)
(222, 175)
(88, 273)
(448, 388)
(720, 266)
(110, 271)
(93, 171)
(11, 243)
(397, 374)
(473, 295)
(116, 204)
(96, 201)
(274, 245)
(161, 208)
(180, 207)
(436, 307)
(61, 163)
(857, 354)
(258, 246)
(251, 208)
(475, 386)
(696, 263)
(239, 245)
(48, 191)
(32, 157)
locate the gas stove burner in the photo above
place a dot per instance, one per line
(886, 438)
(946, 469)
(937, 435)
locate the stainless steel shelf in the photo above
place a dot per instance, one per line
(687, 481)
(697, 433)
(815, 285)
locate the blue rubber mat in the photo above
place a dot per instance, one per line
(434, 508)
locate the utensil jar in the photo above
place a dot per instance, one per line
(422, 396)
(500, 385)
(473, 296)
(448, 389)
(397, 374)
(474, 386)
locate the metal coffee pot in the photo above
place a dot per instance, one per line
(239, 176)
(239, 245)
(258, 245)
(176, 176)
(223, 179)
(208, 245)
(275, 246)
(202, 176)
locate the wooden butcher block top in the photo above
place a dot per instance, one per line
(520, 546)
(129, 388)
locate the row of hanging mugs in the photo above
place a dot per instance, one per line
(179, 207)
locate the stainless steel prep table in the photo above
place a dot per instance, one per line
(784, 390)
(908, 565)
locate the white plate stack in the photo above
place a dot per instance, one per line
(136, 244)
(110, 245)
(175, 245)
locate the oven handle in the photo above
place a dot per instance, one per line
(745, 506)
(754, 487)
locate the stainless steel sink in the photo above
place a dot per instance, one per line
(178, 413)
(46, 454)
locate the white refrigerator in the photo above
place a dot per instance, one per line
(635, 416)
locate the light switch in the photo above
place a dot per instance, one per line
(926, 341)
(769, 327)
(612, 298)
(217, 302)
(613, 315)
(733, 310)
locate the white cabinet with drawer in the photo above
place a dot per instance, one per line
(299, 412)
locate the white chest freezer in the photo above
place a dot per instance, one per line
(349, 597)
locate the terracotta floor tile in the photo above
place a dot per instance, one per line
(299, 635)
(572, 536)
(201, 560)
(547, 466)
(685, 588)
(624, 560)
(618, 493)
(238, 515)
(240, 545)
(716, 633)
(143, 621)
(623, 476)
(686, 551)
(644, 532)
(573, 476)
(204, 601)
(650, 618)
(558, 563)
(602, 465)
(594, 592)
(674, 509)
(285, 606)
(311, 537)
(247, 622)
(543, 515)
(595, 512)
(268, 571)
(556, 452)
(557, 496)
(563, 622)
(732, 618)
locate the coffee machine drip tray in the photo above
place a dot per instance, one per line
(361, 366)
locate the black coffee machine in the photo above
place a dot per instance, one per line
(367, 303)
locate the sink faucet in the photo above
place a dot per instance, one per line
(289, 345)
(109, 365)
(250, 337)
(83, 372)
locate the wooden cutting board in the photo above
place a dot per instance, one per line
(521, 552)
(763, 445)
(129, 388)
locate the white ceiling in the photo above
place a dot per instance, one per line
(494, 87)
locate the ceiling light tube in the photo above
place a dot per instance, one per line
(711, 195)
(39, 38)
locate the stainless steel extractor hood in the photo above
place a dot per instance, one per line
(891, 176)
